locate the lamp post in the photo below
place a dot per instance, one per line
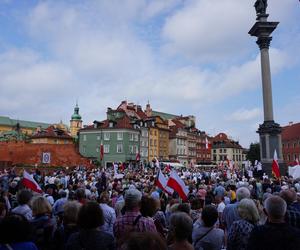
(269, 131)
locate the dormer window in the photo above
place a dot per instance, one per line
(111, 124)
(95, 125)
(141, 123)
(152, 123)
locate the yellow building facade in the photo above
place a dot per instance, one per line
(26, 127)
(153, 143)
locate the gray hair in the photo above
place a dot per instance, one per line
(248, 210)
(71, 209)
(242, 193)
(133, 198)
(181, 226)
(275, 207)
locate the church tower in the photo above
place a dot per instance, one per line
(75, 122)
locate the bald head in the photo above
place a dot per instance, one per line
(275, 207)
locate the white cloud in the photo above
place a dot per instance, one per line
(93, 51)
(216, 31)
(244, 114)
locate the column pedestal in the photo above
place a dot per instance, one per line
(270, 140)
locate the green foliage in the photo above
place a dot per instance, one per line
(254, 152)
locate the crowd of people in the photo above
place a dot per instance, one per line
(124, 209)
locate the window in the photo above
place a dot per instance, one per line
(130, 149)
(84, 137)
(295, 144)
(98, 137)
(155, 132)
(97, 150)
(225, 150)
(119, 136)
(283, 145)
(151, 142)
(154, 143)
(136, 149)
(106, 136)
(119, 148)
(136, 137)
(220, 150)
(130, 137)
(106, 149)
(111, 124)
(215, 151)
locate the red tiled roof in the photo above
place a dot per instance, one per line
(178, 124)
(52, 132)
(291, 132)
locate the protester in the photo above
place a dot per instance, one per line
(292, 216)
(145, 241)
(230, 213)
(240, 230)
(90, 218)
(68, 225)
(181, 227)
(109, 213)
(44, 224)
(276, 234)
(132, 220)
(24, 197)
(205, 234)
(16, 233)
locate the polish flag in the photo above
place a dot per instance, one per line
(178, 185)
(161, 182)
(296, 163)
(138, 157)
(207, 144)
(30, 183)
(275, 166)
(101, 151)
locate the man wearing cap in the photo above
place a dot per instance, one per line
(132, 220)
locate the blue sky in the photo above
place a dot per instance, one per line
(184, 56)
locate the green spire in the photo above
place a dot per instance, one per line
(76, 115)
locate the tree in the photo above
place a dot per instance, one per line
(254, 152)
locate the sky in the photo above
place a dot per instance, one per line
(189, 57)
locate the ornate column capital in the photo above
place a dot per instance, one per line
(264, 42)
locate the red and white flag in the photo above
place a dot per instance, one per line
(101, 151)
(207, 144)
(161, 182)
(178, 185)
(296, 163)
(275, 166)
(30, 183)
(138, 157)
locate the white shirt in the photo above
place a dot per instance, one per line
(221, 207)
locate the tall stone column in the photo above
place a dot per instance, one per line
(269, 132)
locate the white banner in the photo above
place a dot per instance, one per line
(46, 158)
